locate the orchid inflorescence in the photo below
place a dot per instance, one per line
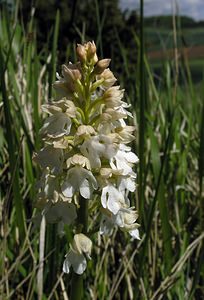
(85, 154)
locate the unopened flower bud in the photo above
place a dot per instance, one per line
(91, 50)
(101, 65)
(71, 72)
(81, 52)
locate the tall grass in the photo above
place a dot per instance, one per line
(168, 261)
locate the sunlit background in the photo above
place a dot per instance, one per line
(191, 8)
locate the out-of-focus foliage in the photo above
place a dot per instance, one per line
(101, 21)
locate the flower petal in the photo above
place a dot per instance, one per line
(66, 265)
(135, 234)
(85, 189)
(67, 189)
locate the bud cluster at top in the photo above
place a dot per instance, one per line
(85, 153)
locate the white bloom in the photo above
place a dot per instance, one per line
(64, 105)
(125, 133)
(112, 97)
(112, 199)
(47, 185)
(75, 257)
(56, 125)
(107, 225)
(109, 79)
(83, 132)
(50, 157)
(124, 159)
(79, 179)
(125, 219)
(60, 212)
(97, 147)
(111, 115)
(127, 183)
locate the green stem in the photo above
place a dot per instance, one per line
(77, 280)
(76, 287)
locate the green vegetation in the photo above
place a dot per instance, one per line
(160, 42)
(158, 37)
(168, 262)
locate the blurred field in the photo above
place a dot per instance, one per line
(168, 262)
(160, 44)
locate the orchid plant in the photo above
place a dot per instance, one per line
(85, 157)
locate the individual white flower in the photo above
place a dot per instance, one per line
(46, 186)
(112, 97)
(125, 219)
(83, 132)
(107, 224)
(79, 179)
(60, 212)
(63, 105)
(125, 133)
(56, 125)
(97, 147)
(111, 115)
(50, 157)
(124, 159)
(127, 183)
(112, 199)
(49, 190)
(108, 79)
(80, 246)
